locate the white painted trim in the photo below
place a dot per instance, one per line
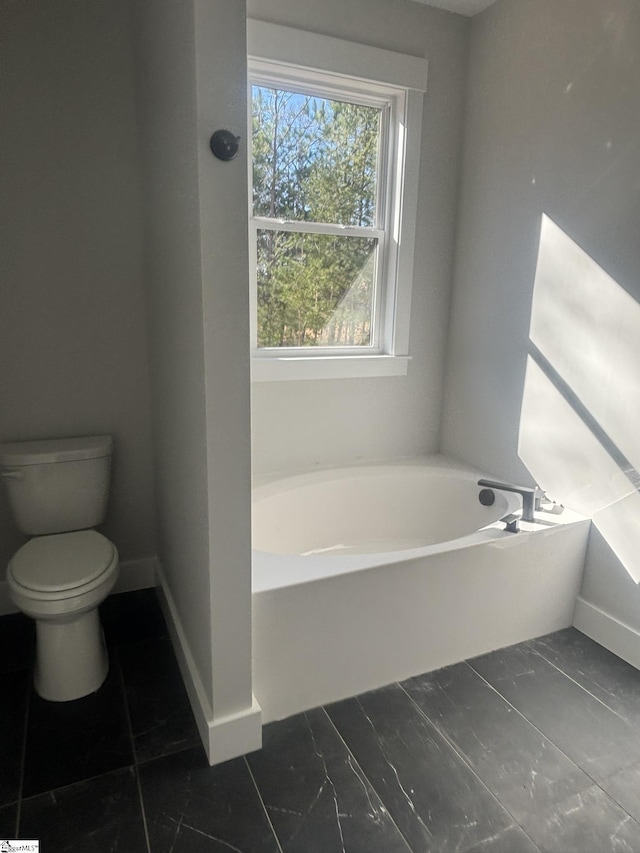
(300, 48)
(328, 367)
(616, 636)
(134, 574)
(404, 229)
(224, 737)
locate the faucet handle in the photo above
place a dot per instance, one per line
(511, 523)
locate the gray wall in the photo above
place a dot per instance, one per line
(165, 69)
(300, 424)
(192, 79)
(73, 350)
(552, 126)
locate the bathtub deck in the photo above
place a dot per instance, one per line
(532, 748)
(321, 639)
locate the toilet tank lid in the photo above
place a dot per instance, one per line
(55, 450)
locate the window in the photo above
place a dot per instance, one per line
(333, 194)
(318, 216)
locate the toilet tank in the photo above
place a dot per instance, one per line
(57, 485)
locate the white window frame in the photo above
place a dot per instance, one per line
(283, 56)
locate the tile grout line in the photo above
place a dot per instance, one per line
(546, 736)
(133, 749)
(264, 808)
(364, 776)
(577, 683)
(24, 750)
(465, 761)
(66, 787)
(613, 711)
(530, 722)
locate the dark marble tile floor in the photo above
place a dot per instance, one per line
(531, 748)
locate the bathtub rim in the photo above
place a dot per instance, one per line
(272, 571)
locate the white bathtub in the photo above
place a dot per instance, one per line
(367, 575)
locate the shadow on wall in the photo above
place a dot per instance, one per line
(579, 425)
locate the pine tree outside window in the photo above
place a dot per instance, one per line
(331, 205)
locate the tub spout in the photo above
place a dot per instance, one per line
(530, 495)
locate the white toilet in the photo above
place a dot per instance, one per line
(58, 491)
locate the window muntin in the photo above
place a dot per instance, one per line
(319, 210)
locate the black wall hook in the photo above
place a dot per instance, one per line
(224, 144)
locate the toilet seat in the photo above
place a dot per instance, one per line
(62, 565)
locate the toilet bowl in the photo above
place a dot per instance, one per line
(59, 580)
(58, 493)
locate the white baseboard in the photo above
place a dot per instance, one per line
(619, 638)
(137, 574)
(223, 738)
(134, 574)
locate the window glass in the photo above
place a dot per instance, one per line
(315, 289)
(316, 189)
(314, 159)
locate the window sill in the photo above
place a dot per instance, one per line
(274, 369)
